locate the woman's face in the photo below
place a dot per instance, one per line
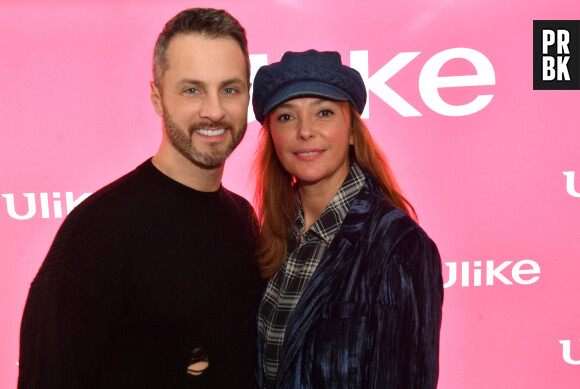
(311, 136)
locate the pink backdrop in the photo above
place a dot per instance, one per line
(492, 181)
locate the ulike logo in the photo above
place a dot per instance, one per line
(523, 272)
(50, 206)
(429, 81)
(567, 353)
(570, 184)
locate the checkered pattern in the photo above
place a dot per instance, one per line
(287, 285)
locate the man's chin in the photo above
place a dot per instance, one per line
(209, 161)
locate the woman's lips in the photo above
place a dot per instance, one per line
(308, 154)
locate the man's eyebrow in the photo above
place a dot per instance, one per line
(190, 81)
(235, 80)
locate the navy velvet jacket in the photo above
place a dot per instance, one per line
(370, 316)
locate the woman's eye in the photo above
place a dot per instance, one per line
(326, 113)
(284, 117)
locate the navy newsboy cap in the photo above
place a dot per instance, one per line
(308, 73)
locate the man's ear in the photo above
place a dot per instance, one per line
(156, 98)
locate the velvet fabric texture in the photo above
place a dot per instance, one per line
(370, 316)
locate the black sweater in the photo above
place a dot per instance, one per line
(140, 274)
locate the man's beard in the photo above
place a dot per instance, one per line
(182, 140)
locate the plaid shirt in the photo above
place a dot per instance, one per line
(287, 285)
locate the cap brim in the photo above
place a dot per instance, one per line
(304, 88)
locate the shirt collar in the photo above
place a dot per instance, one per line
(330, 220)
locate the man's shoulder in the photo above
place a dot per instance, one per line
(111, 206)
(117, 192)
(100, 223)
(241, 214)
(237, 202)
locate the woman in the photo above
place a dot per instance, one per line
(355, 294)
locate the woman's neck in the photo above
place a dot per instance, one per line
(315, 198)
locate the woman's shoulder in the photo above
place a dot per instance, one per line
(381, 211)
(389, 224)
(391, 237)
(388, 221)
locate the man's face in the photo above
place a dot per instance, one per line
(204, 98)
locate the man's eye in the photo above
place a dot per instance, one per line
(230, 91)
(191, 91)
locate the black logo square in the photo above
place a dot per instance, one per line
(556, 54)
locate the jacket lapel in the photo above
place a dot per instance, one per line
(320, 290)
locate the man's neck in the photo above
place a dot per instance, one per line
(182, 170)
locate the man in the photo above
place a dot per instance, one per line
(151, 281)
